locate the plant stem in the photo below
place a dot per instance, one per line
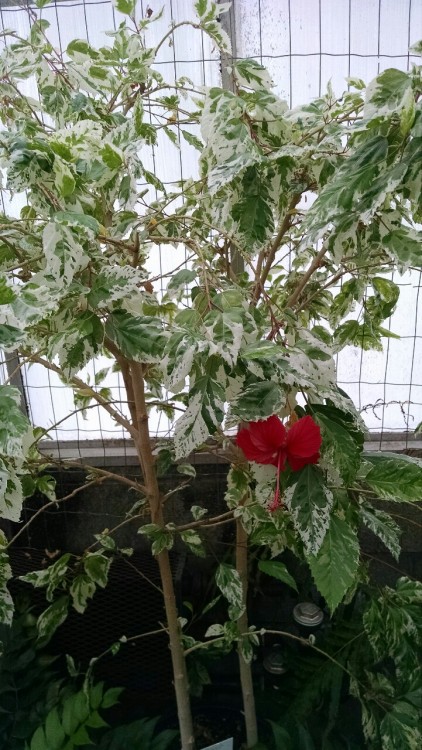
(262, 275)
(146, 459)
(246, 681)
(305, 278)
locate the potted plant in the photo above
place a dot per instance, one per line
(259, 335)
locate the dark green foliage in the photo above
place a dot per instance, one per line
(29, 685)
(139, 735)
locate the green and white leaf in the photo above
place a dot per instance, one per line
(259, 401)
(228, 581)
(342, 443)
(203, 416)
(141, 339)
(52, 618)
(81, 590)
(63, 253)
(383, 526)
(309, 502)
(238, 490)
(389, 93)
(277, 570)
(392, 477)
(334, 568)
(193, 542)
(97, 566)
(401, 727)
(11, 493)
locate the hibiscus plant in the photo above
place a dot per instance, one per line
(291, 233)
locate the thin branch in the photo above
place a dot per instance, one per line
(123, 640)
(116, 415)
(228, 516)
(172, 30)
(305, 278)
(285, 226)
(95, 470)
(142, 575)
(56, 502)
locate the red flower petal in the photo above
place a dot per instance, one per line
(303, 443)
(269, 434)
(243, 440)
(297, 463)
(262, 441)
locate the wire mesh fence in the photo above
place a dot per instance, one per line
(304, 44)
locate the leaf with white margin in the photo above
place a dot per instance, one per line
(11, 494)
(228, 581)
(335, 567)
(64, 255)
(309, 502)
(383, 526)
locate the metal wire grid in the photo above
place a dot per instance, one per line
(344, 38)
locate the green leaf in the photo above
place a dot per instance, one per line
(64, 179)
(141, 339)
(81, 589)
(342, 443)
(75, 219)
(54, 731)
(127, 7)
(111, 156)
(179, 281)
(47, 485)
(393, 624)
(237, 487)
(277, 570)
(405, 246)
(14, 425)
(186, 469)
(9, 336)
(70, 718)
(192, 140)
(309, 502)
(383, 526)
(401, 728)
(250, 74)
(162, 540)
(193, 541)
(353, 333)
(335, 567)
(204, 414)
(96, 721)
(52, 618)
(253, 212)
(81, 737)
(39, 741)
(356, 189)
(228, 581)
(96, 567)
(392, 477)
(111, 697)
(391, 92)
(259, 401)
(7, 294)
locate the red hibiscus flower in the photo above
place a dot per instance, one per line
(269, 442)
